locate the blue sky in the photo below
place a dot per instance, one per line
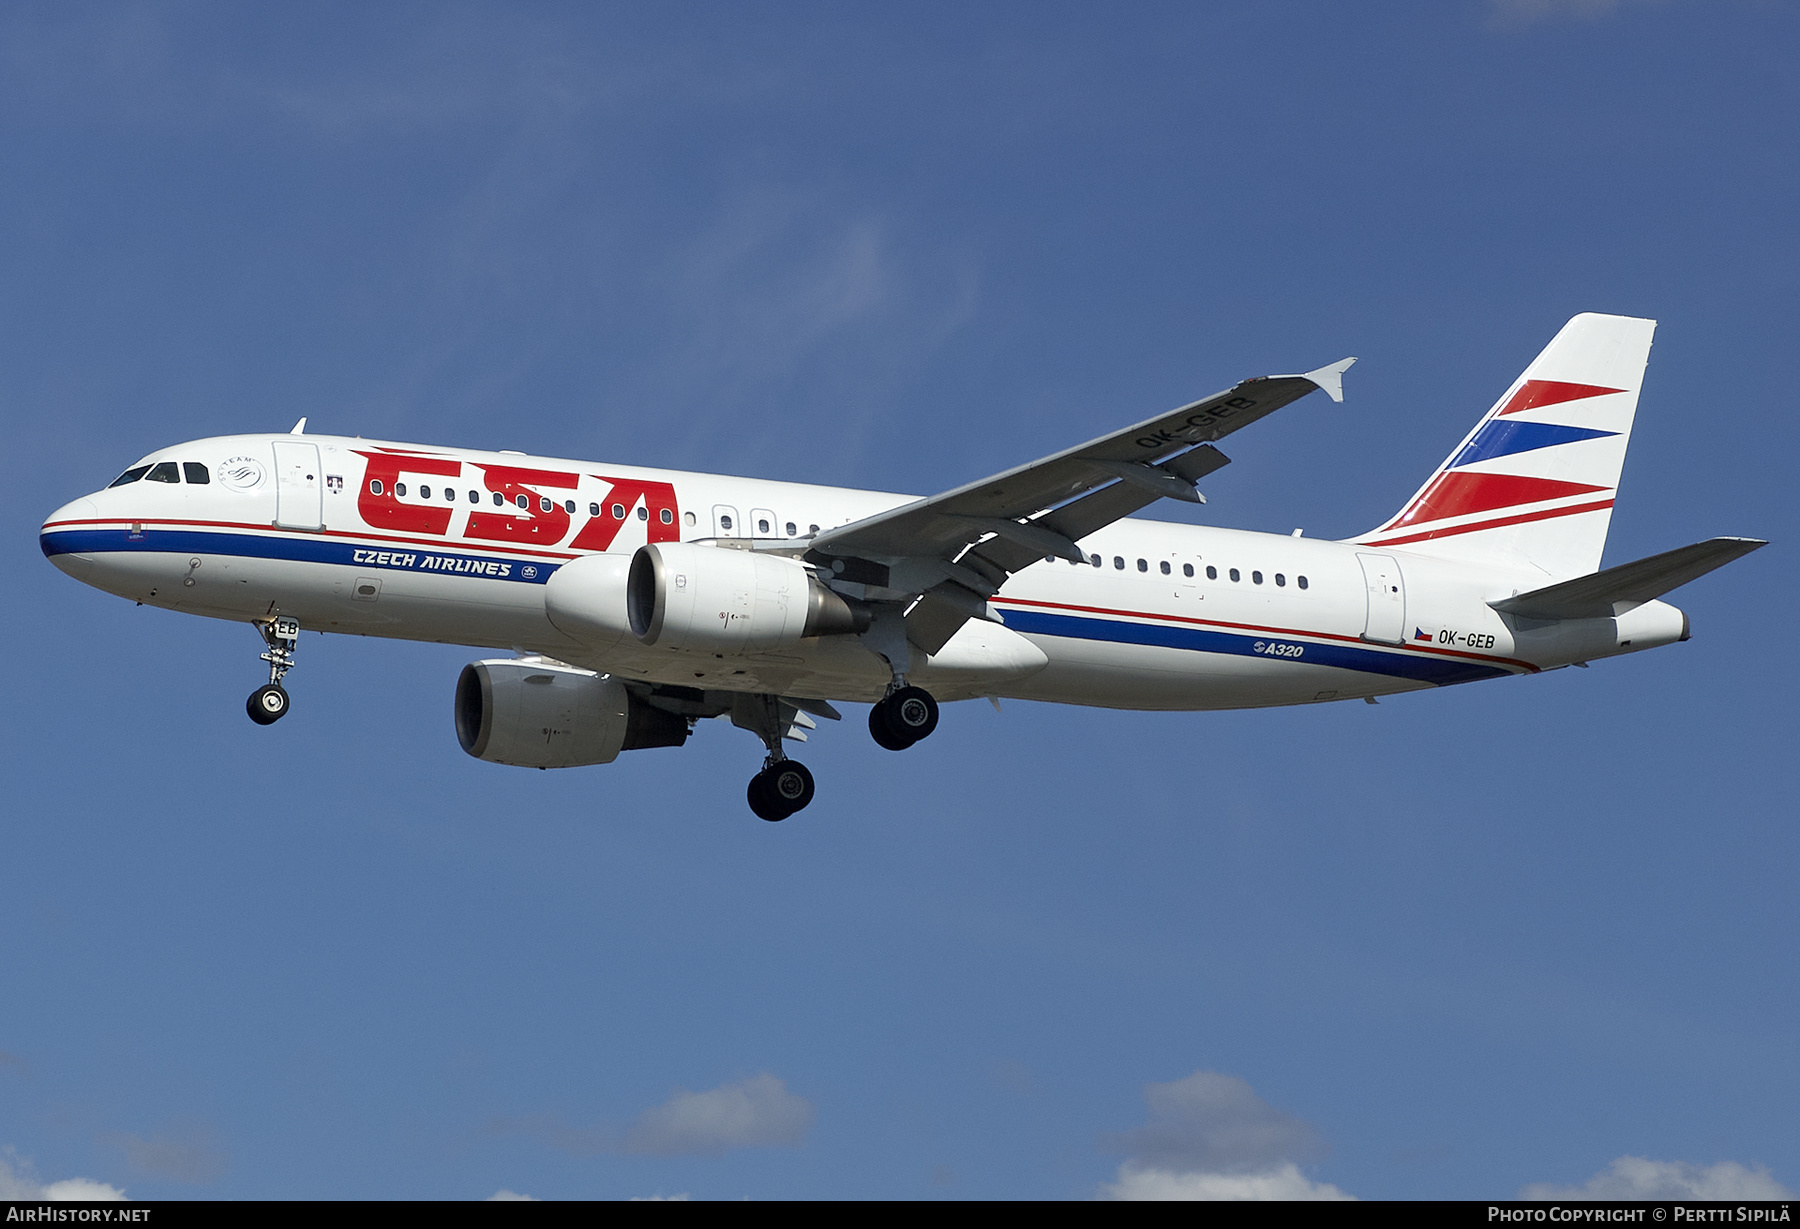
(1452, 946)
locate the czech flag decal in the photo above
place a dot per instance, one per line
(1421, 634)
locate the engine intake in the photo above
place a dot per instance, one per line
(544, 715)
(715, 600)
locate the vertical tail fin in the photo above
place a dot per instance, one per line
(1533, 483)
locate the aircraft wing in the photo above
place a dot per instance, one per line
(953, 551)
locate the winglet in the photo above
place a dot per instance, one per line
(1331, 378)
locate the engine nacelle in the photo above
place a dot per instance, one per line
(717, 600)
(585, 599)
(543, 715)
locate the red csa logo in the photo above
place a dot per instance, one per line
(545, 520)
(529, 516)
(381, 508)
(663, 517)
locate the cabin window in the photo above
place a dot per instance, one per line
(1143, 565)
(424, 492)
(1187, 569)
(1256, 578)
(195, 473)
(762, 524)
(812, 529)
(375, 486)
(1234, 575)
(690, 520)
(618, 511)
(163, 471)
(790, 525)
(524, 501)
(449, 495)
(1119, 562)
(1094, 560)
(643, 514)
(128, 477)
(1280, 580)
(1165, 567)
(399, 488)
(1301, 580)
(474, 497)
(545, 504)
(500, 499)
(725, 522)
(1212, 573)
(569, 506)
(593, 509)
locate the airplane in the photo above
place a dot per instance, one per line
(637, 602)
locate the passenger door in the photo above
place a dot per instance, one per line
(1386, 622)
(299, 490)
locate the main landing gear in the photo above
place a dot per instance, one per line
(783, 786)
(269, 703)
(903, 717)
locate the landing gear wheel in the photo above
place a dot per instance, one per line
(761, 805)
(789, 784)
(780, 790)
(267, 704)
(903, 718)
(883, 736)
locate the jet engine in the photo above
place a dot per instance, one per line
(539, 714)
(585, 599)
(717, 600)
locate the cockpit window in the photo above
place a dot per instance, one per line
(130, 475)
(163, 471)
(195, 473)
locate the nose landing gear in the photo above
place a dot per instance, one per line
(269, 703)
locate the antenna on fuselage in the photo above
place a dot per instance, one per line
(299, 428)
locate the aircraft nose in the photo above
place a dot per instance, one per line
(60, 537)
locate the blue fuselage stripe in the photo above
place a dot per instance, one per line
(295, 549)
(1426, 669)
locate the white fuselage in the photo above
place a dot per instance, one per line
(457, 546)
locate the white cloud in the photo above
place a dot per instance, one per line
(1284, 1182)
(1636, 1177)
(1210, 1136)
(755, 1113)
(684, 1197)
(17, 1181)
(505, 1196)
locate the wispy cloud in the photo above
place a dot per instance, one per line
(1529, 12)
(505, 1196)
(1636, 1177)
(758, 1112)
(1210, 1136)
(19, 1181)
(186, 1153)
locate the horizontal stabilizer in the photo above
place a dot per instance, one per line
(1604, 595)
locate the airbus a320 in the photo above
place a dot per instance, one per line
(637, 602)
